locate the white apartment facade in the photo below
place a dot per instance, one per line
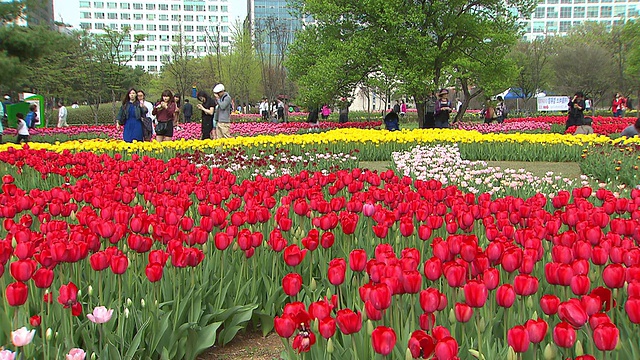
(204, 24)
(556, 17)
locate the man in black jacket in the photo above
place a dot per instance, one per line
(187, 111)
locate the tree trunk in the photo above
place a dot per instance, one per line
(468, 96)
(421, 106)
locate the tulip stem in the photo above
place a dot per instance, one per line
(479, 334)
(355, 348)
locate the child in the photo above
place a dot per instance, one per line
(23, 130)
(32, 117)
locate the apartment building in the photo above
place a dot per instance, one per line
(556, 17)
(205, 26)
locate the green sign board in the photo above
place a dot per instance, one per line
(23, 107)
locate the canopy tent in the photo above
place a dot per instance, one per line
(517, 94)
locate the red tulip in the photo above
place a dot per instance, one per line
(614, 276)
(549, 304)
(632, 308)
(380, 296)
(372, 313)
(99, 261)
(455, 275)
(336, 271)
(68, 295)
(303, 341)
(43, 278)
(598, 319)
(22, 270)
(357, 260)
(505, 296)
(429, 300)
(16, 293)
(572, 312)
(383, 340)
(119, 264)
(537, 330)
(35, 320)
(591, 304)
(421, 345)
(427, 321)
(154, 272)
(327, 327)
(292, 283)
(284, 326)
(564, 335)
(411, 281)
(518, 338)
(475, 293)
(463, 312)
(606, 337)
(525, 285)
(585, 357)
(491, 278)
(348, 321)
(320, 309)
(293, 256)
(580, 284)
(446, 349)
(433, 269)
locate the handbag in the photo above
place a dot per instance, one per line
(147, 128)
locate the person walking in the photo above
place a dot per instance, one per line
(130, 117)
(429, 113)
(207, 106)
(187, 111)
(442, 110)
(576, 110)
(264, 109)
(326, 111)
(62, 115)
(403, 108)
(165, 112)
(149, 121)
(23, 129)
(222, 115)
(618, 105)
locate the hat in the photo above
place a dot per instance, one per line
(7, 97)
(587, 121)
(218, 88)
(443, 91)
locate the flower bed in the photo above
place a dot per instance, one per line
(604, 125)
(513, 126)
(186, 256)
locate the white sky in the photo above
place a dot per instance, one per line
(68, 11)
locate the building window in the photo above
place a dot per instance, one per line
(99, 26)
(85, 15)
(139, 58)
(164, 48)
(578, 1)
(225, 39)
(565, 26)
(112, 5)
(137, 6)
(632, 11)
(175, 28)
(552, 27)
(151, 27)
(125, 17)
(619, 10)
(175, 38)
(85, 4)
(151, 16)
(165, 58)
(199, 7)
(213, 8)
(201, 28)
(578, 12)
(224, 19)
(552, 13)
(200, 18)
(164, 37)
(565, 12)
(188, 28)
(137, 16)
(151, 6)
(138, 27)
(565, 1)
(188, 18)
(151, 38)
(189, 38)
(98, 4)
(163, 6)
(125, 6)
(152, 68)
(112, 16)
(201, 38)
(606, 1)
(85, 26)
(224, 8)
(163, 17)
(99, 15)
(151, 47)
(224, 29)
(202, 49)
(605, 12)
(213, 18)
(188, 8)
(593, 1)
(175, 7)
(176, 18)
(592, 11)
(152, 57)
(164, 27)
(113, 26)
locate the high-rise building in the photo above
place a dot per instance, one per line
(556, 17)
(273, 24)
(203, 24)
(40, 13)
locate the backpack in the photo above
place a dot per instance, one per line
(30, 119)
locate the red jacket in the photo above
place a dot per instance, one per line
(619, 103)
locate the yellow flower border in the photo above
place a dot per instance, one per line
(355, 136)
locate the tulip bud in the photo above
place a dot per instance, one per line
(452, 317)
(529, 303)
(235, 246)
(330, 346)
(129, 302)
(550, 352)
(142, 303)
(511, 354)
(94, 356)
(313, 286)
(314, 326)
(125, 248)
(73, 215)
(48, 333)
(618, 345)
(578, 348)
(79, 293)
(155, 303)
(329, 293)
(369, 327)
(407, 354)
(126, 313)
(205, 246)
(90, 290)
(534, 316)
(150, 226)
(355, 240)
(477, 354)
(481, 325)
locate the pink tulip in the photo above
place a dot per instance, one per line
(100, 315)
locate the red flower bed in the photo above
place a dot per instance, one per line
(604, 125)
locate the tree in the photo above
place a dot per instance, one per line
(179, 65)
(631, 37)
(243, 66)
(418, 41)
(272, 39)
(533, 60)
